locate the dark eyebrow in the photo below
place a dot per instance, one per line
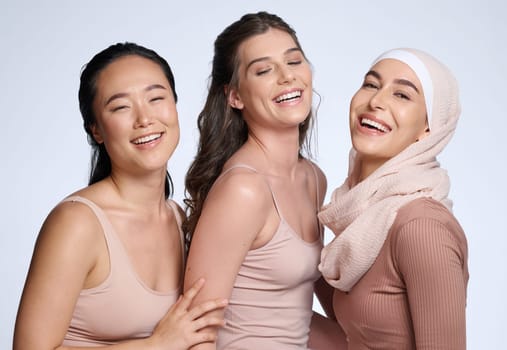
(114, 97)
(260, 59)
(375, 74)
(406, 83)
(396, 81)
(155, 86)
(124, 94)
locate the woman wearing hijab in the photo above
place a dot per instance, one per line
(398, 262)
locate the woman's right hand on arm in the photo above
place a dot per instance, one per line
(66, 251)
(184, 326)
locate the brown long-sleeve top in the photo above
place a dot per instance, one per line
(414, 295)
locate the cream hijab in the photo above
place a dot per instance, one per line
(361, 216)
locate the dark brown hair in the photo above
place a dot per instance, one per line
(222, 128)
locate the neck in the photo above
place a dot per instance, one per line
(140, 191)
(280, 151)
(363, 168)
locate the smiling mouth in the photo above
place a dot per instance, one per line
(146, 139)
(371, 124)
(291, 96)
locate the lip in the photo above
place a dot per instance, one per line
(289, 93)
(373, 118)
(147, 139)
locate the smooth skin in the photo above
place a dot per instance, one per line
(239, 214)
(138, 123)
(391, 96)
(388, 114)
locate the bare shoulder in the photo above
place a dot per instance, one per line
(238, 207)
(71, 224)
(241, 186)
(313, 169)
(316, 168)
(178, 209)
(234, 213)
(65, 252)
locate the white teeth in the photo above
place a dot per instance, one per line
(290, 95)
(374, 124)
(146, 139)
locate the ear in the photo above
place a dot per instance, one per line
(424, 133)
(96, 134)
(234, 99)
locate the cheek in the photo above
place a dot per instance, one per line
(354, 103)
(166, 113)
(419, 122)
(357, 100)
(106, 128)
(175, 126)
(173, 117)
(308, 76)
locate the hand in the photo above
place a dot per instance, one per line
(180, 327)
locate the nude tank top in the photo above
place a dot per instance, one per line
(122, 307)
(271, 302)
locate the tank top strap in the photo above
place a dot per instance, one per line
(316, 184)
(179, 222)
(265, 180)
(317, 197)
(113, 243)
(99, 213)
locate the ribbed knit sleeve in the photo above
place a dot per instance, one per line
(431, 259)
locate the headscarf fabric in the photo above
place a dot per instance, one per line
(361, 216)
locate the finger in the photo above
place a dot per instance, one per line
(190, 294)
(208, 321)
(206, 307)
(203, 337)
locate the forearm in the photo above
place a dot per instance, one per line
(324, 293)
(204, 346)
(326, 334)
(27, 344)
(145, 344)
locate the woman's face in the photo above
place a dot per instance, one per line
(388, 112)
(274, 81)
(136, 115)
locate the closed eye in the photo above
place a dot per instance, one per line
(402, 95)
(295, 62)
(158, 98)
(119, 108)
(263, 71)
(369, 85)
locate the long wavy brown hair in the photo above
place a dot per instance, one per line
(222, 128)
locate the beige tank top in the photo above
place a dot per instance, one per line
(271, 302)
(122, 307)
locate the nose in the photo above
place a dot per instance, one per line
(378, 99)
(286, 75)
(142, 116)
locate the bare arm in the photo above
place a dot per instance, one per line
(432, 266)
(326, 334)
(323, 290)
(64, 261)
(324, 293)
(65, 253)
(233, 214)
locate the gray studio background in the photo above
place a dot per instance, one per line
(45, 155)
